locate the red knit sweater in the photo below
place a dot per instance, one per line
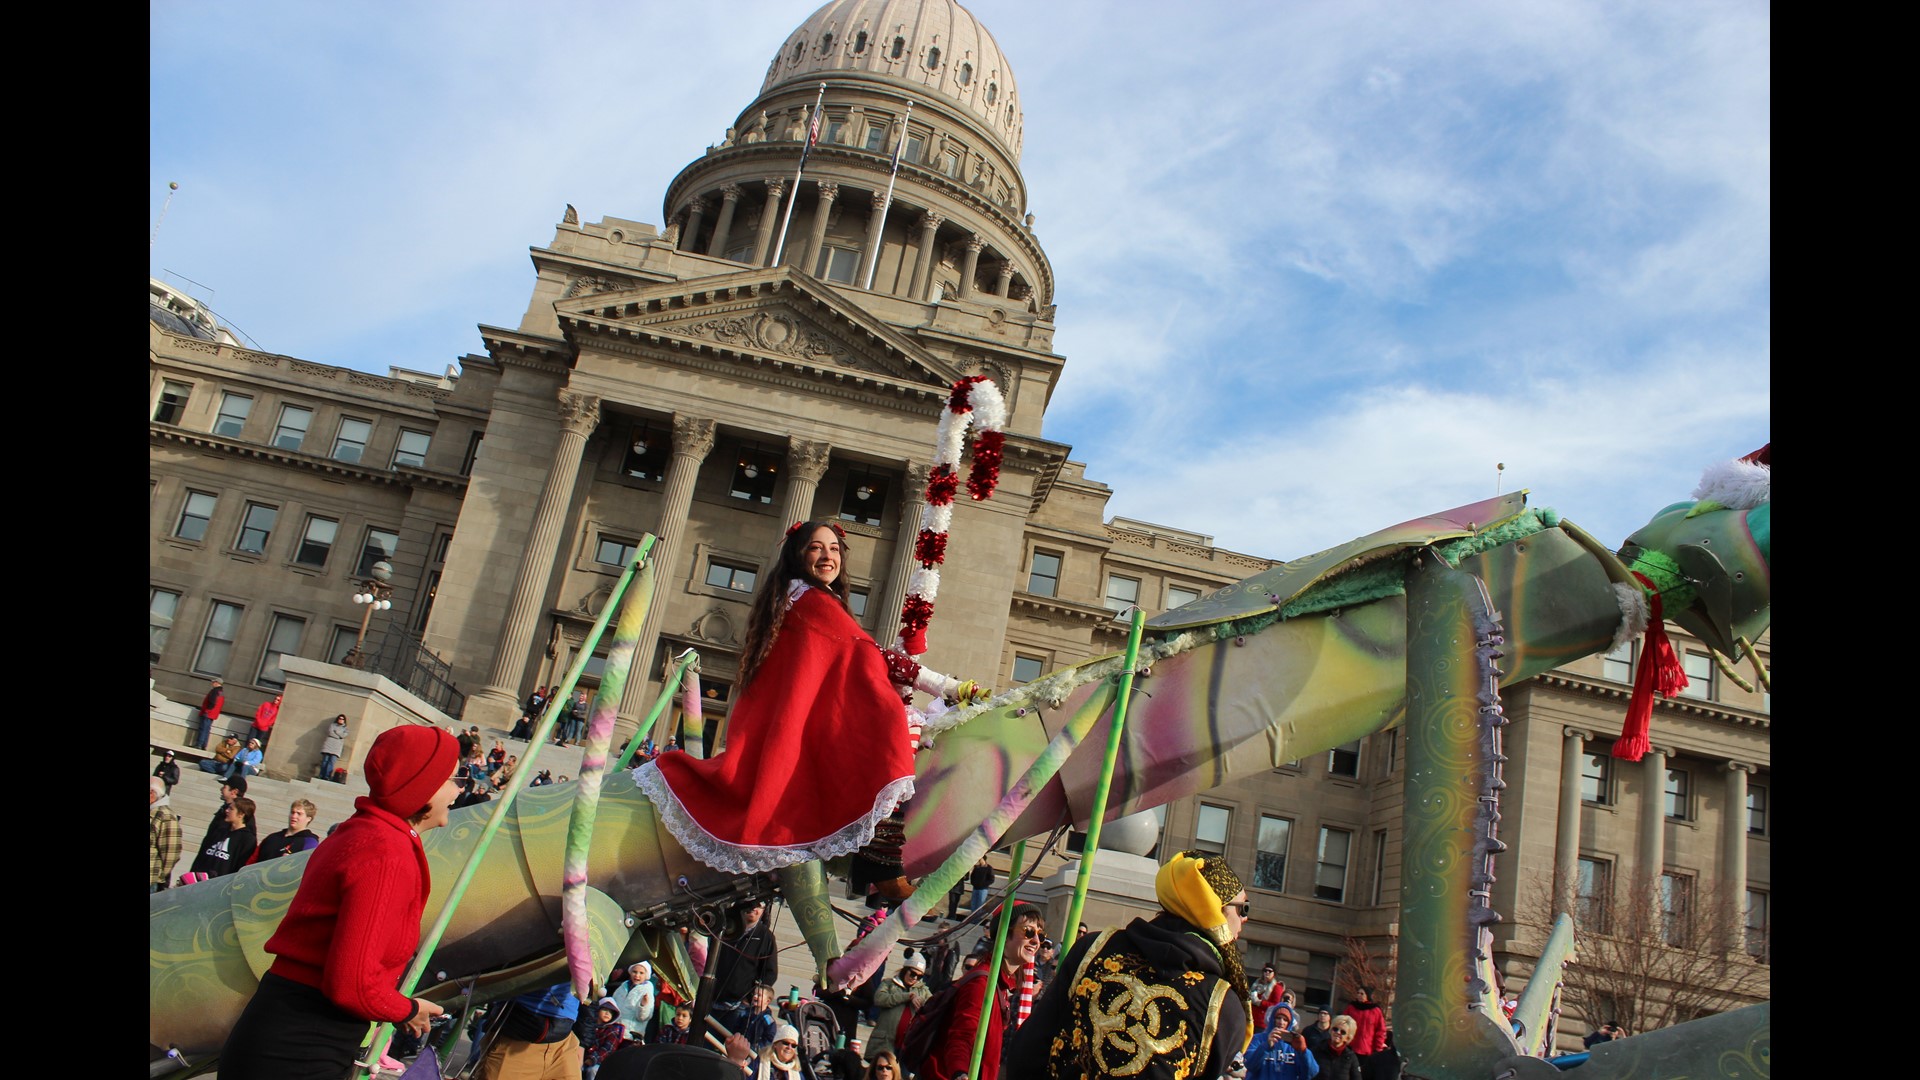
(353, 926)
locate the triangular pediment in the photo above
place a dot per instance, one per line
(764, 314)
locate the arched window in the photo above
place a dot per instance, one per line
(826, 44)
(933, 58)
(799, 50)
(966, 74)
(993, 92)
(1009, 112)
(860, 42)
(899, 47)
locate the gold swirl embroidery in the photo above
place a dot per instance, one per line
(1131, 1023)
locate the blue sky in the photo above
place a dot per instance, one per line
(1320, 265)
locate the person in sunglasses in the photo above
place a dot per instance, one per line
(953, 1049)
(1159, 998)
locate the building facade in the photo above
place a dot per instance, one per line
(780, 351)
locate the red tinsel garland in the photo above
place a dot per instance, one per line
(930, 547)
(985, 473)
(941, 485)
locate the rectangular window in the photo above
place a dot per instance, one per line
(1679, 795)
(173, 402)
(877, 137)
(950, 163)
(1594, 895)
(291, 431)
(162, 605)
(1757, 925)
(614, 552)
(1330, 870)
(1379, 866)
(1756, 809)
(1344, 760)
(865, 497)
(233, 415)
(379, 547)
(838, 264)
(342, 643)
(256, 528)
(473, 452)
(1317, 993)
(1617, 665)
(725, 576)
(646, 454)
(836, 128)
(1699, 669)
(1044, 579)
(1181, 596)
(351, 440)
(412, 450)
(1676, 909)
(916, 149)
(216, 645)
(1026, 669)
(1122, 592)
(195, 516)
(316, 543)
(426, 604)
(754, 476)
(1393, 750)
(1270, 853)
(283, 639)
(1596, 779)
(857, 602)
(1210, 831)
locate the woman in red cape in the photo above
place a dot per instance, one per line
(818, 751)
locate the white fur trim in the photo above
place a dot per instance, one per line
(1634, 613)
(1736, 484)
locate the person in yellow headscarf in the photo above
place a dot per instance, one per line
(1160, 999)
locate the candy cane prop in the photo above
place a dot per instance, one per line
(976, 400)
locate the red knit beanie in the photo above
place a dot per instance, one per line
(407, 765)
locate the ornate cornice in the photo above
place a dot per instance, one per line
(1608, 690)
(404, 476)
(527, 350)
(306, 369)
(1056, 608)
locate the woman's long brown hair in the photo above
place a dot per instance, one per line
(770, 603)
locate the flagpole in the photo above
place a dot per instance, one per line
(813, 133)
(887, 203)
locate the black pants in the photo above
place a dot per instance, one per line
(291, 1032)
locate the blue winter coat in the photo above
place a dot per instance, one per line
(1267, 1060)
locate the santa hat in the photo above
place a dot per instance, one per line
(407, 765)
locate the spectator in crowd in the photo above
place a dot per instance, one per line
(747, 960)
(221, 762)
(293, 839)
(898, 999)
(974, 1008)
(1370, 1030)
(469, 742)
(168, 770)
(982, 881)
(263, 720)
(349, 931)
(1280, 1053)
(884, 1066)
(608, 1034)
(497, 757)
(332, 745)
(522, 728)
(780, 1060)
(505, 776)
(1182, 960)
(1608, 1032)
(207, 713)
(1044, 965)
(1319, 1032)
(231, 851)
(230, 789)
(1338, 1061)
(536, 1039)
(634, 995)
(680, 1030)
(164, 830)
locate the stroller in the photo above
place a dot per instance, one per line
(819, 1037)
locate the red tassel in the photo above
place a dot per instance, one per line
(1660, 673)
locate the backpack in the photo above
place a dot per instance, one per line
(929, 1023)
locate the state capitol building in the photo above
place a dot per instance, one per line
(675, 378)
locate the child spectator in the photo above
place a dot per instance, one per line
(608, 1034)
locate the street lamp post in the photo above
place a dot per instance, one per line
(374, 592)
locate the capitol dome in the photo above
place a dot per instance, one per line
(936, 46)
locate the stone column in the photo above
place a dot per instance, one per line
(913, 501)
(1653, 822)
(1566, 854)
(876, 228)
(1004, 280)
(970, 266)
(1733, 858)
(806, 464)
(696, 213)
(769, 218)
(923, 263)
(723, 225)
(579, 414)
(817, 237)
(692, 441)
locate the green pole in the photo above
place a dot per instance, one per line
(993, 973)
(384, 1032)
(667, 689)
(1089, 850)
